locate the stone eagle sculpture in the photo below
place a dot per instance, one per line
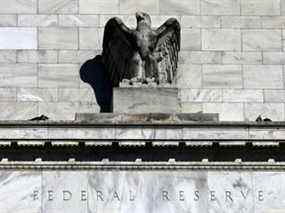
(142, 54)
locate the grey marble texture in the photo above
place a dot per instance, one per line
(145, 100)
(143, 191)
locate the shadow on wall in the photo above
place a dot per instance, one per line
(94, 73)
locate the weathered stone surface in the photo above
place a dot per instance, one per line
(274, 58)
(241, 57)
(185, 7)
(90, 38)
(15, 6)
(273, 22)
(60, 192)
(76, 56)
(274, 95)
(58, 38)
(7, 56)
(254, 76)
(37, 20)
(200, 95)
(221, 39)
(7, 94)
(248, 22)
(8, 20)
(18, 38)
(256, 40)
(220, 7)
(201, 21)
(71, 94)
(274, 111)
(130, 6)
(58, 6)
(206, 57)
(37, 94)
(191, 39)
(242, 95)
(12, 110)
(18, 75)
(256, 7)
(37, 56)
(79, 20)
(145, 100)
(222, 76)
(17, 187)
(58, 75)
(99, 6)
(189, 75)
(227, 111)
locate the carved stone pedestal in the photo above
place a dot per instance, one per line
(145, 100)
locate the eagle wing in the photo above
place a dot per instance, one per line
(167, 48)
(117, 50)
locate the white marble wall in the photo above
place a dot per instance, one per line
(232, 58)
(141, 191)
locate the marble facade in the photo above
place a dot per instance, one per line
(136, 191)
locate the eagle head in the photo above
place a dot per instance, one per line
(143, 18)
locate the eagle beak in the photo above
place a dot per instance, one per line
(139, 16)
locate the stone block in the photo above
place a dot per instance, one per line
(60, 192)
(241, 57)
(37, 20)
(7, 94)
(239, 195)
(274, 111)
(90, 38)
(257, 7)
(58, 75)
(58, 6)
(58, 38)
(18, 187)
(8, 20)
(182, 7)
(15, 6)
(12, 110)
(188, 107)
(18, 75)
(71, 94)
(145, 100)
(222, 76)
(59, 110)
(200, 95)
(282, 2)
(18, 38)
(188, 75)
(79, 20)
(99, 6)
(247, 22)
(272, 22)
(221, 39)
(263, 77)
(191, 39)
(274, 58)
(274, 95)
(37, 94)
(7, 56)
(220, 7)
(242, 95)
(206, 57)
(257, 40)
(131, 6)
(227, 111)
(76, 56)
(36, 56)
(200, 21)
